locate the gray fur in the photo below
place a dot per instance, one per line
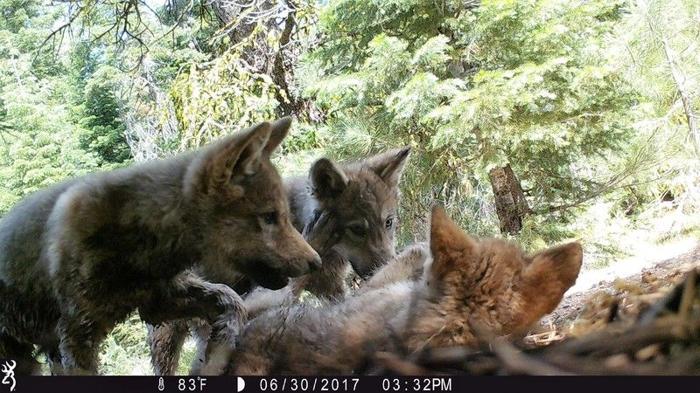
(78, 257)
(364, 192)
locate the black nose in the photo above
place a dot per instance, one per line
(315, 264)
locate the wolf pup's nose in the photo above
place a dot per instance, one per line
(315, 264)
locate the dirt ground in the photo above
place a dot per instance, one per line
(585, 308)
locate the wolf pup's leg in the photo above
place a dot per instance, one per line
(80, 335)
(53, 356)
(166, 341)
(263, 299)
(201, 331)
(21, 353)
(188, 296)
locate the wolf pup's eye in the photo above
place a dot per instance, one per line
(389, 222)
(269, 218)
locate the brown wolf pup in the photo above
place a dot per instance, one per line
(486, 282)
(78, 257)
(348, 213)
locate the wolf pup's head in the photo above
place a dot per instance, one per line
(489, 284)
(241, 208)
(364, 196)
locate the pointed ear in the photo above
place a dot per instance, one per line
(328, 179)
(389, 165)
(235, 155)
(449, 245)
(555, 270)
(248, 160)
(280, 129)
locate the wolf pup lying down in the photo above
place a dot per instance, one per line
(78, 257)
(485, 282)
(358, 205)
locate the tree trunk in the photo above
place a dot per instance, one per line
(679, 79)
(289, 104)
(240, 20)
(511, 205)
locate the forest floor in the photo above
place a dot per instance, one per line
(632, 283)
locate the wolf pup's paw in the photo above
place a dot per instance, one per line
(415, 257)
(221, 346)
(217, 361)
(409, 265)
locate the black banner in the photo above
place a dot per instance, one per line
(370, 384)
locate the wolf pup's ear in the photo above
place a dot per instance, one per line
(249, 159)
(389, 165)
(560, 263)
(450, 246)
(279, 131)
(328, 179)
(236, 155)
(552, 272)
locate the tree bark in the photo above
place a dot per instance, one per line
(227, 12)
(289, 104)
(511, 205)
(271, 61)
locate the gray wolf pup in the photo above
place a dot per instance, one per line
(78, 257)
(348, 213)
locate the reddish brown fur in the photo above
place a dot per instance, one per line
(506, 290)
(489, 283)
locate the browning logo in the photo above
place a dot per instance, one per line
(8, 369)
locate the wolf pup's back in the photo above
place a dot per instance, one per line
(21, 234)
(24, 277)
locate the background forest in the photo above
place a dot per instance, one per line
(532, 119)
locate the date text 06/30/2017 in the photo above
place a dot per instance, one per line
(318, 384)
